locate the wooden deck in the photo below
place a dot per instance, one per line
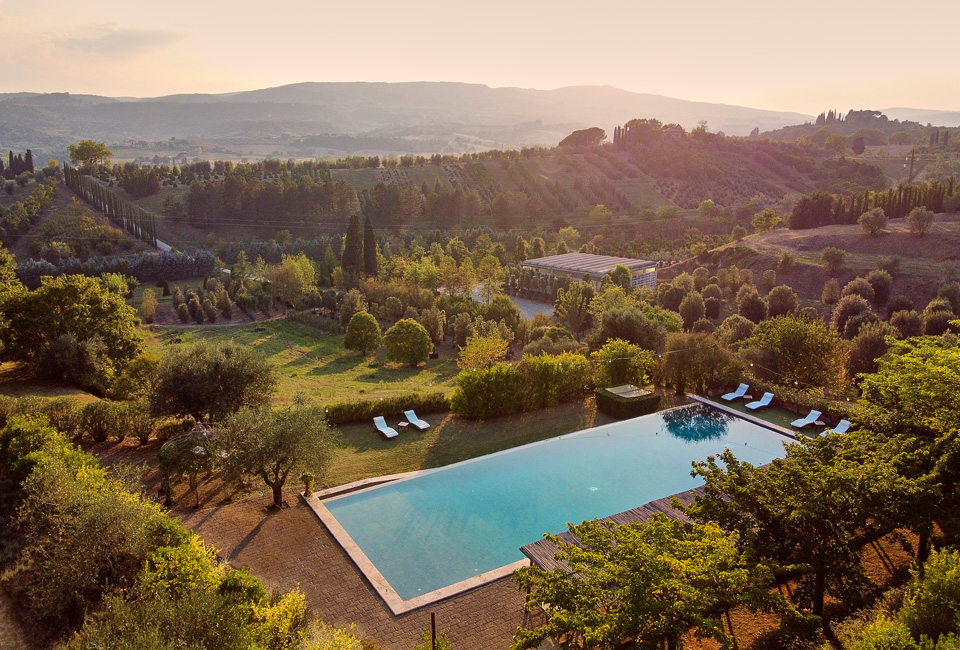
(542, 552)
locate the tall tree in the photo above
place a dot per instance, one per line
(352, 260)
(369, 249)
(89, 155)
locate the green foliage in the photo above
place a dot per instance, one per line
(885, 634)
(766, 219)
(930, 605)
(272, 445)
(25, 440)
(638, 582)
(734, 330)
(366, 410)
(89, 155)
(549, 380)
(482, 352)
(210, 380)
(796, 351)
(488, 393)
(620, 362)
(622, 408)
(781, 301)
(920, 219)
(692, 309)
(696, 361)
(872, 222)
(74, 328)
(407, 342)
(363, 333)
(584, 138)
(848, 307)
(630, 324)
(811, 512)
(833, 258)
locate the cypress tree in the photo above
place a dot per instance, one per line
(29, 161)
(353, 247)
(369, 249)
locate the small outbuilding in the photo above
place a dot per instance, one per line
(591, 268)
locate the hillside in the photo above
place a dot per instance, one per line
(923, 261)
(453, 113)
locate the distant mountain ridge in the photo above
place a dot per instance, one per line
(436, 109)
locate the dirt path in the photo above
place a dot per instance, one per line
(12, 636)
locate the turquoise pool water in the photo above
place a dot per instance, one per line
(447, 525)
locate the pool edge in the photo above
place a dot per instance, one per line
(379, 583)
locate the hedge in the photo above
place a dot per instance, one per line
(366, 410)
(330, 326)
(622, 408)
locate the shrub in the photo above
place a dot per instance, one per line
(365, 410)
(407, 342)
(711, 308)
(620, 362)
(907, 322)
(831, 292)
(833, 259)
(930, 605)
(624, 408)
(899, 302)
(782, 301)
(951, 293)
(629, 324)
(859, 287)
(873, 221)
(856, 322)
(867, 346)
(890, 264)
(183, 313)
(881, 282)
(920, 219)
(148, 305)
(712, 291)
(99, 419)
(938, 322)
(848, 307)
(691, 309)
(488, 393)
(703, 326)
(549, 380)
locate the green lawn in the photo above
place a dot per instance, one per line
(364, 453)
(310, 361)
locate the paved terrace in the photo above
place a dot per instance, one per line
(290, 548)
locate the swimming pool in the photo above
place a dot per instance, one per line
(454, 523)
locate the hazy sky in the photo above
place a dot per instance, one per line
(809, 57)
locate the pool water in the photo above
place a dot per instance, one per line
(447, 525)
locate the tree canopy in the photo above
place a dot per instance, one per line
(89, 155)
(648, 583)
(206, 380)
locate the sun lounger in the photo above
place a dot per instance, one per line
(763, 401)
(737, 394)
(842, 427)
(382, 427)
(810, 419)
(415, 421)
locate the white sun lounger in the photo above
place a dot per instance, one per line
(737, 394)
(842, 427)
(382, 427)
(763, 401)
(415, 421)
(812, 417)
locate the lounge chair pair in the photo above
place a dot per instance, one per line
(390, 432)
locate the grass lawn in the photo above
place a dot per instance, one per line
(17, 381)
(310, 361)
(772, 414)
(365, 453)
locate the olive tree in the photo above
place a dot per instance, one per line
(273, 444)
(407, 342)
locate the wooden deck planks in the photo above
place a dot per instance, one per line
(543, 552)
